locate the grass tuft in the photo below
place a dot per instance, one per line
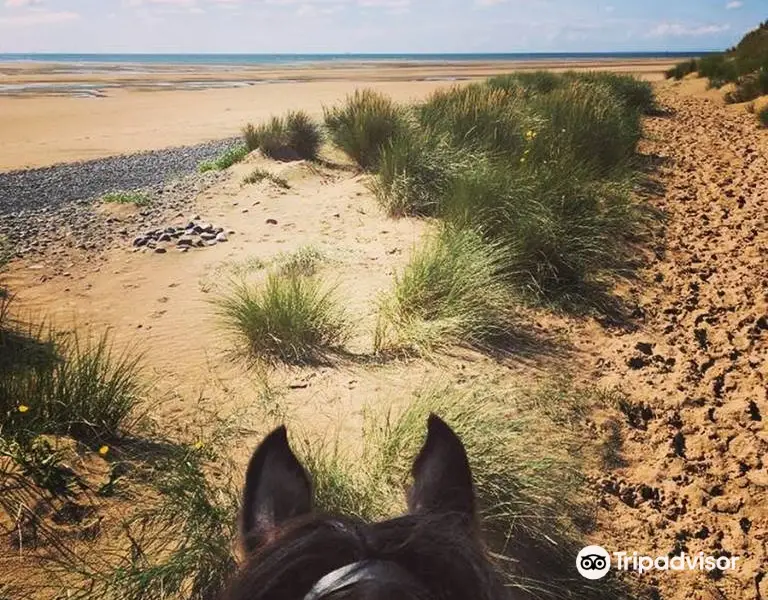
(225, 160)
(680, 70)
(635, 94)
(763, 116)
(477, 116)
(304, 135)
(415, 173)
(585, 121)
(86, 390)
(527, 83)
(120, 197)
(259, 175)
(292, 318)
(364, 124)
(560, 224)
(304, 261)
(436, 299)
(293, 137)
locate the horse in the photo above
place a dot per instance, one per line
(433, 552)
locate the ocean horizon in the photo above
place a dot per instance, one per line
(297, 59)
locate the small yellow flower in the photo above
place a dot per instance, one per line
(522, 160)
(103, 450)
(23, 408)
(199, 445)
(530, 135)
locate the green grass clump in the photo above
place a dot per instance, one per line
(529, 83)
(290, 317)
(184, 539)
(341, 486)
(137, 198)
(304, 135)
(225, 160)
(477, 116)
(763, 116)
(452, 291)
(749, 86)
(680, 70)
(85, 390)
(259, 175)
(292, 137)
(363, 125)
(635, 94)
(415, 173)
(560, 223)
(304, 261)
(585, 122)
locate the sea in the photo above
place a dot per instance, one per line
(300, 59)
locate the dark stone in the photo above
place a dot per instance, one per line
(644, 347)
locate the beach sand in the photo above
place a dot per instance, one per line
(147, 109)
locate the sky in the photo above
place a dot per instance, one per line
(374, 26)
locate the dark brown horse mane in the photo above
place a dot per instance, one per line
(437, 551)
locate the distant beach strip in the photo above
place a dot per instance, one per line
(94, 75)
(284, 60)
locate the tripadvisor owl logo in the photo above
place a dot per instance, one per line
(593, 562)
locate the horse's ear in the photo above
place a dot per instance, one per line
(277, 488)
(441, 474)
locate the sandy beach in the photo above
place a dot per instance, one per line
(151, 107)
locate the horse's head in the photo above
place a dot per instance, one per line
(432, 553)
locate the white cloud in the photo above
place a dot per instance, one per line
(21, 3)
(734, 4)
(385, 3)
(40, 17)
(678, 30)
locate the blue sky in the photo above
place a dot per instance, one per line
(374, 25)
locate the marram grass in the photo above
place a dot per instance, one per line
(452, 291)
(289, 317)
(364, 124)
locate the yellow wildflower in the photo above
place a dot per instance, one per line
(23, 408)
(103, 450)
(199, 445)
